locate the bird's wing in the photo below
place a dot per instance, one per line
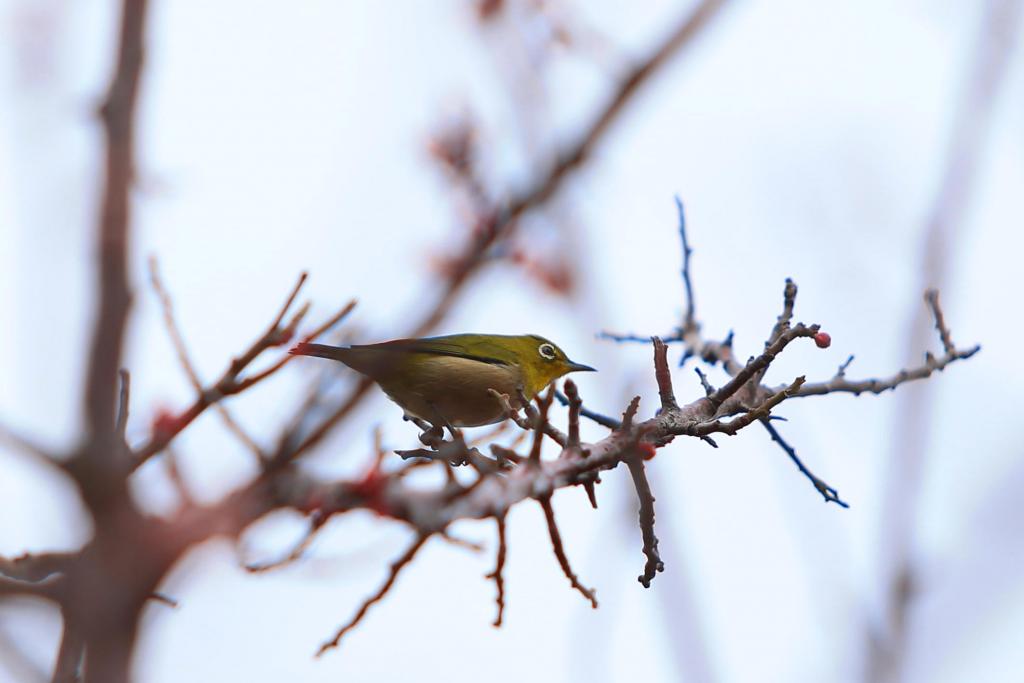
(469, 347)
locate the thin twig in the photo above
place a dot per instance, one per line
(689, 320)
(760, 412)
(396, 568)
(499, 568)
(459, 542)
(185, 360)
(603, 420)
(229, 383)
(556, 545)
(316, 523)
(828, 493)
(663, 376)
(646, 498)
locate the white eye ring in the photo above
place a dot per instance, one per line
(546, 351)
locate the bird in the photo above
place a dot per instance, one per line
(448, 381)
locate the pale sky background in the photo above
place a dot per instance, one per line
(807, 140)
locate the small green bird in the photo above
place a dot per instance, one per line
(445, 380)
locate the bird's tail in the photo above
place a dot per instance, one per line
(339, 353)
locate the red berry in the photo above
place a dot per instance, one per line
(823, 340)
(647, 450)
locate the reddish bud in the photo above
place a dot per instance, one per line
(284, 336)
(823, 340)
(370, 488)
(488, 9)
(646, 450)
(164, 424)
(554, 275)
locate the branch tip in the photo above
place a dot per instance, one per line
(559, 549)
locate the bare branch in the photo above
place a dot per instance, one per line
(839, 383)
(114, 293)
(663, 376)
(931, 297)
(185, 360)
(708, 389)
(316, 522)
(46, 589)
(36, 567)
(761, 363)
(646, 498)
(788, 301)
(499, 568)
(628, 415)
(760, 412)
(542, 419)
(603, 420)
(396, 568)
(459, 542)
(229, 383)
(828, 493)
(689, 320)
(556, 545)
(575, 405)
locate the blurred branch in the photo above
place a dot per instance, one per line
(494, 225)
(68, 667)
(178, 340)
(37, 567)
(114, 295)
(985, 75)
(230, 382)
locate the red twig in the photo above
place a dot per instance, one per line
(396, 568)
(499, 568)
(556, 545)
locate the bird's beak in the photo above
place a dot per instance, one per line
(580, 367)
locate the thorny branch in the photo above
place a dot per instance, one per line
(499, 568)
(749, 396)
(559, 549)
(643, 492)
(185, 360)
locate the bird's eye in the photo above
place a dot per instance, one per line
(546, 351)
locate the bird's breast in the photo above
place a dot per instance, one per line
(453, 389)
